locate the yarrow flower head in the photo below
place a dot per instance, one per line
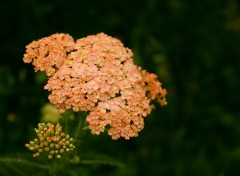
(51, 140)
(49, 53)
(97, 74)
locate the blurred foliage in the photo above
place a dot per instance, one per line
(193, 46)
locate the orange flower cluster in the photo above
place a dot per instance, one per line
(49, 53)
(52, 140)
(97, 74)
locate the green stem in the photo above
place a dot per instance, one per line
(81, 123)
(66, 115)
(101, 162)
(80, 118)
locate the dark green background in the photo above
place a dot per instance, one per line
(194, 48)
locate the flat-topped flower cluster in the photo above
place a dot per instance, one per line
(97, 74)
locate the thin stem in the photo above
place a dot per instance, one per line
(66, 124)
(66, 115)
(81, 123)
(101, 162)
(81, 118)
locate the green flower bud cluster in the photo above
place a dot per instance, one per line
(52, 140)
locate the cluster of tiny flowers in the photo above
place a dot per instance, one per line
(49, 53)
(51, 140)
(98, 75)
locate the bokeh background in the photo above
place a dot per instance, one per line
(194, 48)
